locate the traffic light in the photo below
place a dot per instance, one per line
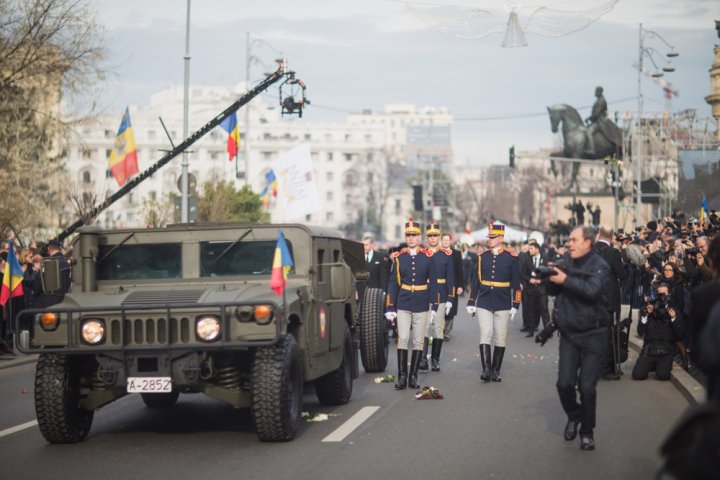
(512, 156)
(418, 198)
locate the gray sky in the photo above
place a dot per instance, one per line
(364, 54)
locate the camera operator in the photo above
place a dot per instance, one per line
(696, 267)
(660, 326)
(581, 315)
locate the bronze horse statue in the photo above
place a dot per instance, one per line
(607, 139)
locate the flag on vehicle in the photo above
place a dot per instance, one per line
(282, 263)
(12, 278)
(123, 157)
(231, 127)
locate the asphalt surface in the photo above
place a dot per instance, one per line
(508, 430)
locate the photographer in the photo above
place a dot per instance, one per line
(660, 326)
(697, 269)
(581, 315)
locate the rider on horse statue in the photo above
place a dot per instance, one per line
(596, 119)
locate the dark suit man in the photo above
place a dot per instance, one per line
(459, 278)
(612, 256)
(376, 264)
(534, 298)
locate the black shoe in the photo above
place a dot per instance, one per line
(486, 361)
(524, 329)
(423, 360)
(435, 356)
(530, 334)
(587, 442)
(571, 430)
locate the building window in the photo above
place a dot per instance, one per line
(268, 155)
(308, 218)
(348, 199)
(329, 196)
(398, 205)
(153, 195)
(329, 156)
(214, 155)
(329, 176)
(108, 173)
(151, 134)
(329, 216)
(108, 133)
(87, 199)
(86, 153)
(108, 151)
(348, 137)
(370, 177)
(86, 178)
(368, 138)
(350, 179)
(308, 137)
(328, 137)
(348, 156)
(131, 199)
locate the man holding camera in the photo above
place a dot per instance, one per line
(581, 315)
(660, 327)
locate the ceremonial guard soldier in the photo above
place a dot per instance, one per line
(442, 258)
(411, 293)
(495, 296)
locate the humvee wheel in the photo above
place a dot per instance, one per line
(277, 390)
(374, 342)
(57, 396)
(335, 388)
(160, 400)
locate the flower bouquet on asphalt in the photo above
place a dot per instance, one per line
(390, 378)
(428, 393)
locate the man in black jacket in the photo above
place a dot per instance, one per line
(457, 260)
(534, 298)
(581, 315)
(612, 257)
(660, 326)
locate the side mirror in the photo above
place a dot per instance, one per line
(50, 276)
(340, 282)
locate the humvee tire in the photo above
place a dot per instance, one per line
(374, 342)
(57, 396)
(335, 388)
(277, 390)
(160, 400)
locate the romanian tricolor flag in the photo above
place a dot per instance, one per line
(704, 211)
(12, 279)
(123, 158)
(231, 127)
(282, 263)
(270, 188)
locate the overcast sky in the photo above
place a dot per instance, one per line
(367, 53)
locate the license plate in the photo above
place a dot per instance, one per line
(149, 385)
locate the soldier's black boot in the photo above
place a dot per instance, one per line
(498, 354)
(486, 361)
(402, 369)
(414, 364)
(423, 360)
(435, 357)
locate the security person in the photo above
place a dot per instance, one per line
(411, 293)
(48, 299)
(442, 258)
(495, 295)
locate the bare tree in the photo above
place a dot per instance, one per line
(84, 198)
(50, 50)
(158, 213)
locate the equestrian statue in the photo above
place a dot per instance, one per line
(597, 138)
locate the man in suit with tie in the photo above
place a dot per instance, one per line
(534, 298)
(376, 264)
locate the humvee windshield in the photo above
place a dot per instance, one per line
(140, 262)
(245, 258)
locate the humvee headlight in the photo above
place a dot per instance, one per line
(244, 313)
(93, 331)
(207, 328)
(49, 321)
(263, 314)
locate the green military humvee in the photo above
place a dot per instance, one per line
(189, 309)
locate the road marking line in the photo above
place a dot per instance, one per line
(348, 427)
(17, 428)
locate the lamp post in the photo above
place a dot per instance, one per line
(185, 163)
(639, 152)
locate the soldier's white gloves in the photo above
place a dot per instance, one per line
(391, 316)
(471, 310)
(448, 307)
(513, 312)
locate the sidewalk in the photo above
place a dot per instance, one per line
(8, 361)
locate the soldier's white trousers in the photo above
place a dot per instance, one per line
(493, 326)
(438, 323)
(418, 321)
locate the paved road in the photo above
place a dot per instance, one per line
(510, 430)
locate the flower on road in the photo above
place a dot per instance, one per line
(429, 393)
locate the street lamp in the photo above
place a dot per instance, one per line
(652, 54)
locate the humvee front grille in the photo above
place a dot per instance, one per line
(150, 331)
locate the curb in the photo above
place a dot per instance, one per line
(691, 389)
(17, 360)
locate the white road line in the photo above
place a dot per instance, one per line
(17, 428)
(348, 427)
